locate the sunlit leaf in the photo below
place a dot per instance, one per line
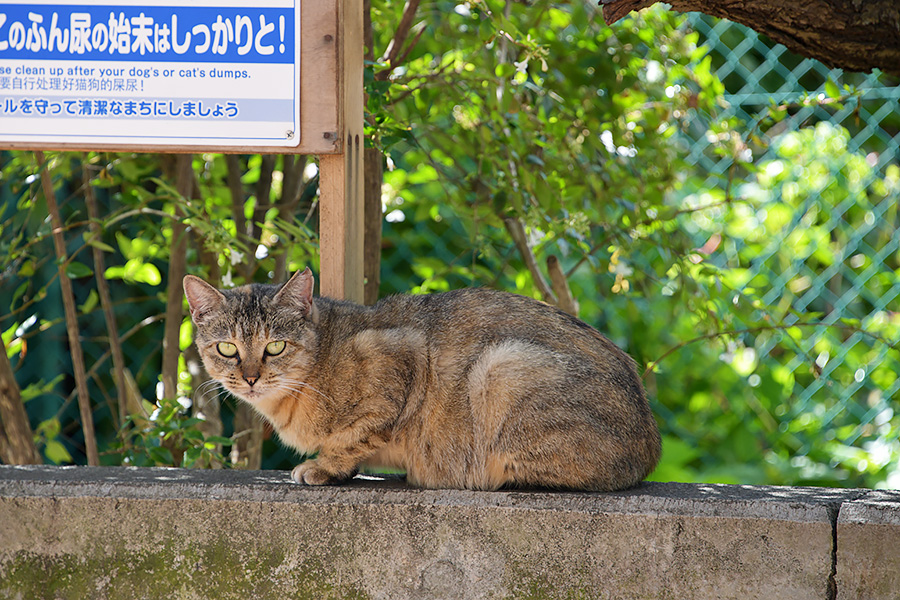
(57, 453)
(77, 270)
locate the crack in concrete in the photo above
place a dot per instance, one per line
(831, 593)
(833, 513)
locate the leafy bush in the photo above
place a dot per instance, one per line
(755, 302)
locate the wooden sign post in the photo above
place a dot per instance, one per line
(341, 189)
(268, 76)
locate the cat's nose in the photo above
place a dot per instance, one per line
(251, 379)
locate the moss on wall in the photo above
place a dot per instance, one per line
(213, 570)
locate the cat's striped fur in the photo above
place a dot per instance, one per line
(471, 389)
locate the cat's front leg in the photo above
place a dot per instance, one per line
(337, 462)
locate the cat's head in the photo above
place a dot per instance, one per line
(257, 340)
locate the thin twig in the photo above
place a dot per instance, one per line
(399, 40)
(567, 301)
(751, 330)
(68, 298)
(115, 345)
(517, 233)
(411, 46)
(16, 436)
(103, 357)
(140, 211)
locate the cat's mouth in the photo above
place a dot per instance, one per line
(251, 393)
(255, 393)
(247, 392)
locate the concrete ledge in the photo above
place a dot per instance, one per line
(110, 533)
(868, 549)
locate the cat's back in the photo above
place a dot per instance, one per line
(470, 330)
(479, 317)
(541, 397)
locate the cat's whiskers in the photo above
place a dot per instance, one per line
(291, 387)
(208, 385)
(219, 387)
(222, 393)
(295, 385)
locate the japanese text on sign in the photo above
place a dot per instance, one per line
(168, 33)
(166, 70)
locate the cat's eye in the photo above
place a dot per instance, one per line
(274, 348)
(227, 349)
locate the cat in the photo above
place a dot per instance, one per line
(472, 388)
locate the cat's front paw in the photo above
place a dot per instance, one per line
(310, 473)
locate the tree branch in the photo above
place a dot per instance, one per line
(236, 187)
(68, 300)
(566, 301)
(752, 330)
(517, 233)
(846, 34)
(184, 182)
(410, 46)
(400, 35)
(109, 315)
(16, 436)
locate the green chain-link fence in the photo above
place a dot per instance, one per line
(823, 239)
(803, 184)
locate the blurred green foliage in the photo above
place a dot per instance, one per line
(757, 301)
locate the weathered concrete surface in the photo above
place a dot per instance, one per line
(868, 547)
(109, 533)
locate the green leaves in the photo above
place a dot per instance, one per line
(77, 270)
(171, 438)
(719, 274)
(831, 89)
(91, 240)
(46, 434)
(136, 271)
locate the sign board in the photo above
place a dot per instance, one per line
(151, 73)
(198, 76)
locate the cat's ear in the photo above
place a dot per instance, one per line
(202, 298)
(297, 292)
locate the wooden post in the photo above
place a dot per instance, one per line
(341, 175)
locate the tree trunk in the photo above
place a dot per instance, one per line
(174, 294)
(16, 437)
(109, 315)
(848, 34)
(373, 178)
(372, 172)
(68, 299)
(246, 452)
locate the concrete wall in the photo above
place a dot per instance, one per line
(109, 533)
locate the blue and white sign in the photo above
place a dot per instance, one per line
(199, 73)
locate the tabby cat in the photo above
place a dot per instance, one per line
(473, 388)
